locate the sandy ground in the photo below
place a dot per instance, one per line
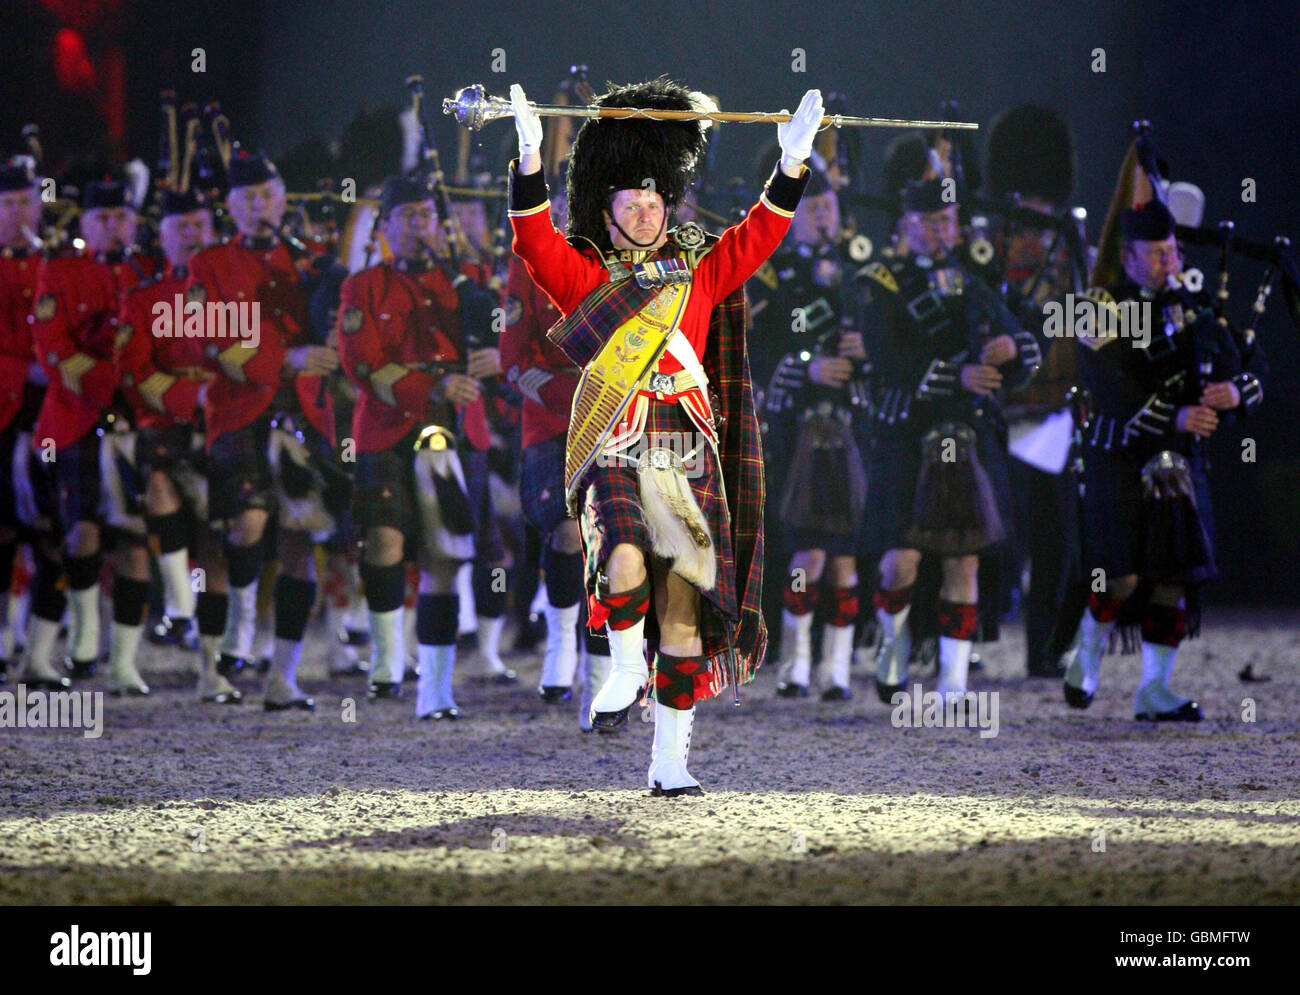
(806, 801)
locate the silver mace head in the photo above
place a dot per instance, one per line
(473, 108)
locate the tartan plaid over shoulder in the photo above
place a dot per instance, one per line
(740, 450)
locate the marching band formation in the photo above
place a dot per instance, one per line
(213, 392)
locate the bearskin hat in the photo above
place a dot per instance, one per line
(1031, 153)
(611, 154)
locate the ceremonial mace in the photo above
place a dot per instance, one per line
(473, 107)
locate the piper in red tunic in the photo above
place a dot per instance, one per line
(165, 378)
(20, 380)
(688, 519)
(403, 330)
(76, 337)
(270, 356)
(547, 379)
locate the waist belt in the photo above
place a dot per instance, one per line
(666, 386)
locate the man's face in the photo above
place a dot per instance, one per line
(409, 228)
(1027, 247)
(182, 235)
(1150, 264)
(817, 219)
(108, 229)
(640, 213)
(258, 209)
(934, 234)
(472, 215)
(19, 209)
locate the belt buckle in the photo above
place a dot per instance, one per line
(924, 306)
(661, 383)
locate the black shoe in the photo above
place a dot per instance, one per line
(660, 792)
(612, 721)
(976, 664)
(298, 704)
(788, 689)
(384, 689)
(79, 670)
(440, 714)
(1076, 697)
(886, 692)
(1189, 711)
(354, 637)
(355, 669)
(555, 694)
(263, 666)
(175, 632)
(50, 683)
(229, 666)
(4, 670)
(128, 692)
(836, 693)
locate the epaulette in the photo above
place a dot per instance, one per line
(881, 273)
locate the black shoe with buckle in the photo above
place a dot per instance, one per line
(836, 693)
(659, 791)
(886, 692)
(80, 670)
(175, 632)
(384, 689)
(297, 704)
(229, 666)
(789, 689)
(554, 695)
(1188, 711)
(1076, 697)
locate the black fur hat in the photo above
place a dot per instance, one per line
(1031, 153)
(611, 154)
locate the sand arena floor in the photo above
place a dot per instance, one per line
(806, 801)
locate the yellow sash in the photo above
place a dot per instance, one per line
(613, 376)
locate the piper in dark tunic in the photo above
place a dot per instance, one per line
(941, 343)
(1170, 374)
(816, 410)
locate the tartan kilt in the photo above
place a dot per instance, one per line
(613, 514)
(383, 491)
(76, 479)
(385, 494)
(238, 462)
(541, 485)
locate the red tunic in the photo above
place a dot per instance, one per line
(19, 270)
(157, 368)
(74, 332)
(567, 275)
(539, 369)
(389, 323)
(247, 378)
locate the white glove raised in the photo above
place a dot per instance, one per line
(796, 135)
(527, 123)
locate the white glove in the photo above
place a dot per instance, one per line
(796, 135)
(527, 123)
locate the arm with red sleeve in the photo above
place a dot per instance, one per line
(145, 384)
(743, 247)
(524, 348)
(92, 378)
(565, 275)
(366, 360)
(237, 361)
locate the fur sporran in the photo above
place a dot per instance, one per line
(955, 512)
(826, 490)
(678, 530)
(1177, 548)
(446, 518)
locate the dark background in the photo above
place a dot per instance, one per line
(1219, 85)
